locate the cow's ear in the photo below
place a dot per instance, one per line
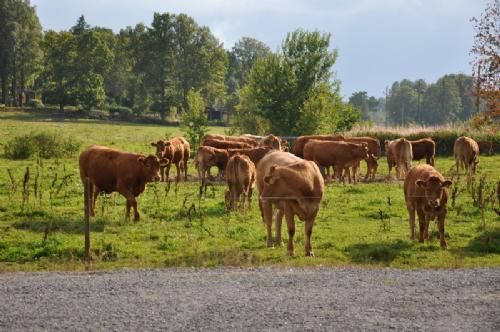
(140, 159)
(420, 183)
(446, 184)
(168, 143)
(153, 143)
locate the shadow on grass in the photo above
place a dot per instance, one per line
(37, 221)
(487, 242)
(382, 252)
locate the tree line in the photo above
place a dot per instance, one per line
(161, 67)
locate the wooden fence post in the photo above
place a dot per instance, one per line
(86, 229)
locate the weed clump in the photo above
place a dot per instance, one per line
(43, 144)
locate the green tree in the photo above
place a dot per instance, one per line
(60, 76)
(442, 102)
(280, 84)
(366, 105)
(20, 55)
(194, 120)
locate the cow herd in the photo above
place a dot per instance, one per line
(289, 183)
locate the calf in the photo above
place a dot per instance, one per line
(294, 187)
(271, 141)
(207, 157)
(110, 170)
(374, 152)
(176, 151)
(426, 193)
(240, 176)
(424, 148)
(400, 154)
(466, 153)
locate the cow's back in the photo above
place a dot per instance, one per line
(103, 166)
(277, 158)
(466, 149)
(301, 141)
(423, 148)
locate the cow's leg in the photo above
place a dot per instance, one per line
(162, 173)
(422, 225)
(93, 193)
(185, 170)
(167, 172)
(249, 197)
(178, 167)
(309, 223)
(442, 240)
(291, 230)
(411, 220)
(267, 214)
(389, 165)
(421, 222)
(278, 220)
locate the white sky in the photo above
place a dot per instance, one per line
(379, 41)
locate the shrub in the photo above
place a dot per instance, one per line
(35, 103)
(122, 112)
(46, 145)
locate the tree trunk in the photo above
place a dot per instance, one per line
(4, 88)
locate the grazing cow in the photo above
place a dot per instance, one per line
(176, 151)
(294, 187)
(374, 152)
(240, 176)
(424, 148)
(399, 153)
(340, 155)
(255, 154)
(485, 147)
(466, 152)
(111, 170)
(221, 144)
(426, 193)
(301, 141)
(207, 157)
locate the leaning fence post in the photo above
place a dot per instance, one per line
(86, 229)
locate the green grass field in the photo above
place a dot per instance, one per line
(177, 228)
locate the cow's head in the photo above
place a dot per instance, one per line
(151, 167)
(272, 141)
(372, 160)
(362, 151)
(433, 191)
(160, 148)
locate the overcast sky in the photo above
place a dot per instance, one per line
(379, 41)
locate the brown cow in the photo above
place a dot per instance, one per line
(176, 151)
(424, 148)
(242, 139)
(399, 153)
(426, 193)
(466, 152)
(337, 154)
(294, 187)
(255, 154)
(271, 141)
(111, 170)
(485, 147)
(374, 152)
(221, 144)
(301, 141)
(240, 176)
(207, 157)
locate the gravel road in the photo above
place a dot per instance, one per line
(267, 299)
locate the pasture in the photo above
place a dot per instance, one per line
(363, 224)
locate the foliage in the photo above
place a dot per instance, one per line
(364, 104)
(194, 121)
(280, 84)
(43, 144)
(486, 49)
(35, 103)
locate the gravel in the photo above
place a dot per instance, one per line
(267, 299)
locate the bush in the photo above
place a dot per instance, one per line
(35, 103)
(46, 145)
(122, 112)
